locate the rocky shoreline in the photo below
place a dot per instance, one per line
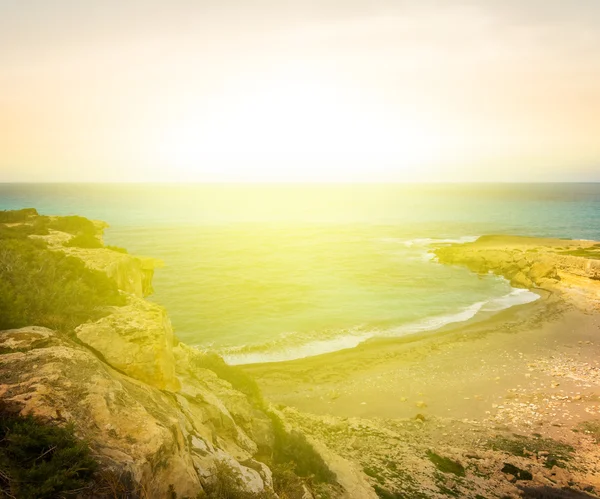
(492, 396)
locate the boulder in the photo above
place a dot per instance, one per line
(136, 339)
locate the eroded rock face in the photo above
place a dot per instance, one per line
(162, 439)
(133, 427)
(136, 339)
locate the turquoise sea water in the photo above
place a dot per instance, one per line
(271, 272)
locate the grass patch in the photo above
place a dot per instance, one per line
(592, 252)
(446, 465)
(522, 446)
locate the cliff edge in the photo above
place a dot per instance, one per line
(162, 419)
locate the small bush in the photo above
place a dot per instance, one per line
(84, 240)
(16, 216)
(446, 465)
(286, 483)
(518, 473)
(40, 460)
(46, 288)
(73, 225)
(118, 249)
(293, 448)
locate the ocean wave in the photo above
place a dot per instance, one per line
(428, 241)
(310, 349)
(279, 352)
(512, 299)
(437, 322)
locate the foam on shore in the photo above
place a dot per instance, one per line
(351, 339)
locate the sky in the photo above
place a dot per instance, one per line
(299, 91)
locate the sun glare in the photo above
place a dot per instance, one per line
(290, 128)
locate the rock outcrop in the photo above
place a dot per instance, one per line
(160, 423)
(132, 274)
(569, 267)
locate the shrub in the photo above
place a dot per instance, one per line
(73, 225)
(118, 249)
(293, 448)
(446, 465)
(41, 460)
(16, 216)
(84, 240)
(286, 483)
(226, 484)
(46, 288)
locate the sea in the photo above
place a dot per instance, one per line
(265, 273)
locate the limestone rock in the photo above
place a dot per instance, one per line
(131, 426)
(136, 339)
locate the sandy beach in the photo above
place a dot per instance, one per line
(466, 371)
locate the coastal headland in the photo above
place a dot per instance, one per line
(505, 405)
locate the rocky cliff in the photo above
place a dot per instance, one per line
(156, 414)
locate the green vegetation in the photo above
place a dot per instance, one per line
(286, 483)
(546, 492)
(118, 249)
(292, 447)
(518, 473)
(73, 225)
(40, 460)
(17, 216)
(446, 465)
(293, 460)
(48, 288)
(519, 445)
(592, 252)
(84, 240)
(226, 484)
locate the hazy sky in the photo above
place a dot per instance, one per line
(305, 90)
